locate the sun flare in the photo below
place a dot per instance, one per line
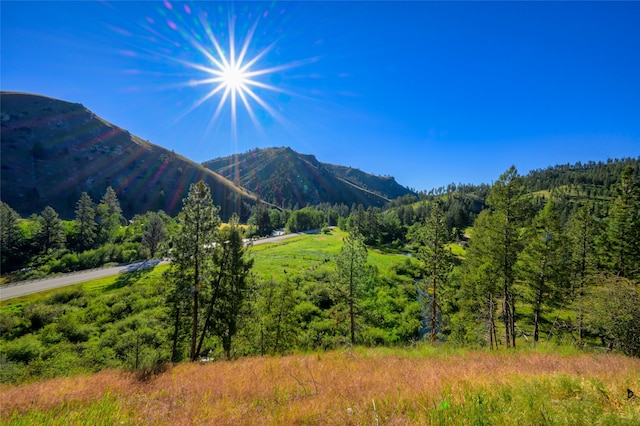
(234, 78)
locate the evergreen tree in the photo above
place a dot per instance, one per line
(155, 233)
(437, 260)
(50, 233)
(110, 199)
(109, 215)
(234, 268)
(624, 227)
(508, 211)
(542, 264)
(496, 245)
(192, 254)
(481, 289)
(85, 224)
(352, 272)
(582, 231)
(261, 219)
(10, 238)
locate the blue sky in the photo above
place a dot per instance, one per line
(428, 92)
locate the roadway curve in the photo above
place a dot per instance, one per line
(23, 288)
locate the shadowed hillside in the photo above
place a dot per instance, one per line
(285, 178)
(54, 150)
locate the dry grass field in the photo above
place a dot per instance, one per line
(364, 386)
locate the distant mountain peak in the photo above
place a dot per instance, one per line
(284, 177)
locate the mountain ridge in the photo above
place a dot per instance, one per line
(282, 176)
(52, 150)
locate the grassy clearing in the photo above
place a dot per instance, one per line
(309, 252)
(364, 386)
(456, 250)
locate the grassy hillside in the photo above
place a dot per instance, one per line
(365, 386)
(92, 326)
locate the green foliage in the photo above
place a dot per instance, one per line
(542, 264)
(305, 219)
(279, 316)
(623, 233)
(613, 313)
(11, 237)
(352, 274)
(231, 287)
(50, 234)
(85, 231)
(155, 234)
(193, 275)
(23, 350)
(437, 263)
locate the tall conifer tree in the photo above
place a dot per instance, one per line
(436, 258)
(192, 256)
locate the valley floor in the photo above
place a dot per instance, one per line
(363, 386)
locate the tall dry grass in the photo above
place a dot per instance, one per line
(361, 387)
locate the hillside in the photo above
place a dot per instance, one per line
(590, 178)
(364, 386)
(285, 178)
(54, 150)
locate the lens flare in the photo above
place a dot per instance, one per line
(233, 75)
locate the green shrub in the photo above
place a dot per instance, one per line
(24, 349)
(73, 330)
(39, 315)
(67, 295)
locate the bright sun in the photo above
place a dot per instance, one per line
(233, 77)
(231, 73)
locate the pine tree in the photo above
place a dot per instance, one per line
(50, 234)
(436, 258)
(154, 233)
(192, 254)
(481, 288)
(109, 215)
(110, 199)
(234, 268)
(541, 264)
(495, 247)
(352, 272)
(85, 222)
(582, 231)
(10, 238)
(624, 227)
(508, 210)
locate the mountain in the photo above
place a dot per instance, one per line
(54, 150)
(284, 177)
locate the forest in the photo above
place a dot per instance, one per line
(552, 256)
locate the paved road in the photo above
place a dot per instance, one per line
(23, 288)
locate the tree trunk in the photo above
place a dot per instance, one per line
(352, 315)
(176, 334)
(214, 298)
(194, 328)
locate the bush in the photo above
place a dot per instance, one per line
(39, 315)
(24, 349)
(67, 295)
(73, 330)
